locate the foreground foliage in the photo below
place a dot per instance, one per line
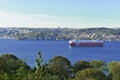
(57, 68)
(90, 73)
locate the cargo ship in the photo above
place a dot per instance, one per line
(86, 43)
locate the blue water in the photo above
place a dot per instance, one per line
(27, 50)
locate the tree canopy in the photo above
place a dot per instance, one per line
(60, 66)
(57, 68)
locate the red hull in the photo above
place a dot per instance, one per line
(91, 44)
(86, 43)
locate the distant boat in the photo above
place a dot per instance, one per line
(85, 43)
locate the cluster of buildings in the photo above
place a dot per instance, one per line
(60, 34)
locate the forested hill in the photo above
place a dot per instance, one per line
(60, 33)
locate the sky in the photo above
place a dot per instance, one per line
(60, 13)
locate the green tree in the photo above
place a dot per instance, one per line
(9, 66)
(98, 64)
(21, 74)
(4, 76)
(50, 77)
(80, 65)
(60, 66)
(90, 74)
(114, 70)
(40, 69)
(12, 63)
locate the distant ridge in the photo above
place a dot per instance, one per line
(109, 34)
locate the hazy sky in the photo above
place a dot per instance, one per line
(60, 13)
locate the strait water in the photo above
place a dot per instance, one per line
(27, 50)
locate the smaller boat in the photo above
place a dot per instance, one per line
(85, 43)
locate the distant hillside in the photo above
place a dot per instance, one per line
(59, 33)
